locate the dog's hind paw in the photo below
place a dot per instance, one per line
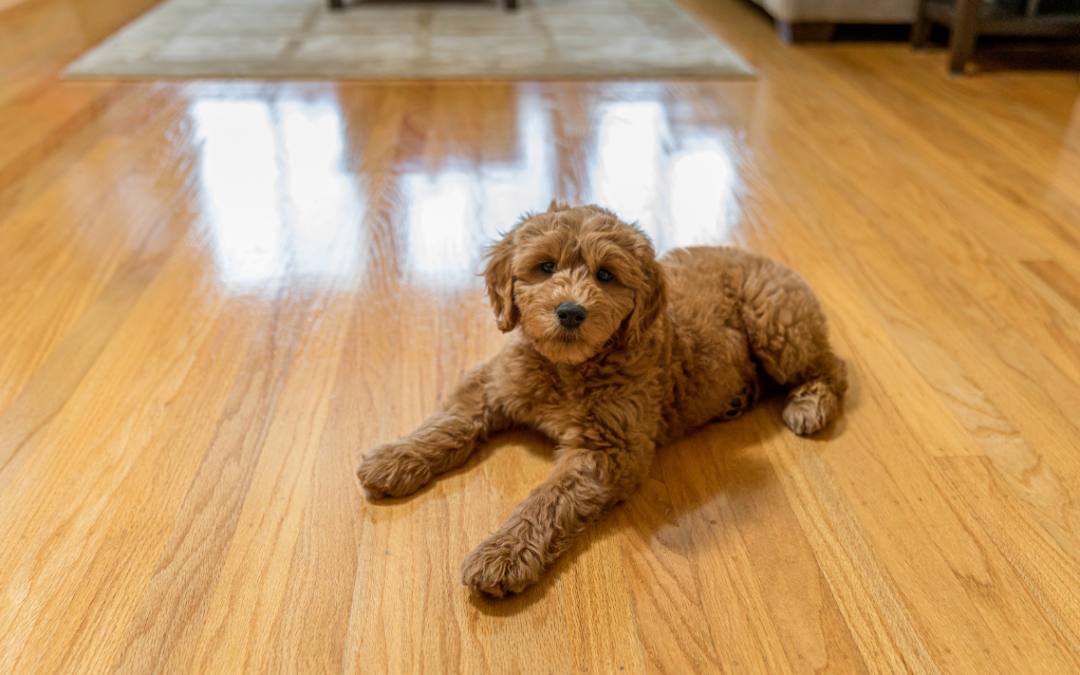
(502, 564)
(810, 407)
(393, 471)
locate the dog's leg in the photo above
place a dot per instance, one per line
(582, 485)
(443, 442)
(786, 328)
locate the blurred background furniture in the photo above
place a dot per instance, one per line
(968, 19)
(816, 20)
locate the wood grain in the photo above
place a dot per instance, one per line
(215, 295)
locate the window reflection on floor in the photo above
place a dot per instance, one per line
(276, 199)
(454, 214)
(512, 188)
(442, 232)
(240, 189)
(329, 234)
(279, 201)
(701, 208)
(628, 160)
(677, 187)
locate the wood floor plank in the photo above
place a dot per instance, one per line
(246, 600)
(909, 522)
(733, 602)
(1057, 278)
(40, 401)
(126, 463)
(172, 611)
(87, 638)
(992, 291)
(881, 625)
(807, 618)
(969, 557)
(659, 566)
(1048, 573)
(601, 628)
(971, 382)
(61, 289)
(959, 386)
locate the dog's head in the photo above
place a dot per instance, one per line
(575, 280)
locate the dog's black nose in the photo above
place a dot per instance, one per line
(570, 315)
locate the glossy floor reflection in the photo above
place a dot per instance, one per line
(278, 196)
(280, 202)
(214, 295)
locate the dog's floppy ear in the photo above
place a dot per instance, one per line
(650, 300)
(499, 278)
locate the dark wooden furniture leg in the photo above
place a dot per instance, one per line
(966, 20)
(337, 4)
(805, 32)
(511, 4)
(920, 30)
(963, 33)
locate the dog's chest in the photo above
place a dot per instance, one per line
(579, 397)
(559, 398)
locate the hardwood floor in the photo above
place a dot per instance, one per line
(214, 295)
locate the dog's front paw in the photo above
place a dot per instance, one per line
(503, 564)
(394, 470)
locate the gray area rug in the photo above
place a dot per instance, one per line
(544, 39)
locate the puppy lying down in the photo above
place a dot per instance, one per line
(614, 354)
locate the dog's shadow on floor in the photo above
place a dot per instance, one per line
(700, 483)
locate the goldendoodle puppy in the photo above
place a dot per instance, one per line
(616, 353)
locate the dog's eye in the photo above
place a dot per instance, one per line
(547, 268)
(604, 276)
